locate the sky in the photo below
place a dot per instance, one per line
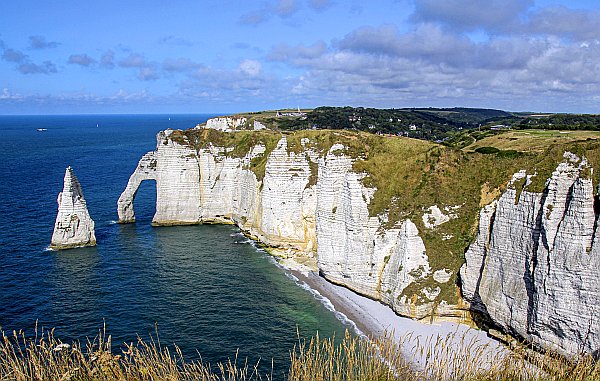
(225, 56)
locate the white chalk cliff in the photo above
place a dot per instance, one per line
(533, 269)
(225, 123)
(305, 202)
(73, 227)
(314, 203)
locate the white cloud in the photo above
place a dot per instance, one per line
(133, 60)
(39, 42)
(250, 67)
(8, 95)
(81, 60)
(471, 14)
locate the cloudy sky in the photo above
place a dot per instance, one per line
(210, 56)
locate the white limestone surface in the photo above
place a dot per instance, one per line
(533, 269)
(177, 181)
(73, 227)
(354, 250)
(259, 126)
(225, 123)
(145, 170)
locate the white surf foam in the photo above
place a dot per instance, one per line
(327, 303)
(345, 320)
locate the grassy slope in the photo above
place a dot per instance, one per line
(532, 140)
(411, 175)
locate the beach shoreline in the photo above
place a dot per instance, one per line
(372, 319)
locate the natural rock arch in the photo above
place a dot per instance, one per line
(146, 170)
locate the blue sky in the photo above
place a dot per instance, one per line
(227, 56)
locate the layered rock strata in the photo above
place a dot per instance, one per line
(146, 170)
(225, 123)
(73, 227)
(533, 269)
(352, 248)
(314, 203)
(307, 202)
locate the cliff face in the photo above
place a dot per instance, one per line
(73, 227)
(208, 185)
(531, 269)
(354, 250)
(310, 203)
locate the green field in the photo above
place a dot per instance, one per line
(533, 140)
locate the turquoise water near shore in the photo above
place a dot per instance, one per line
(205, 288)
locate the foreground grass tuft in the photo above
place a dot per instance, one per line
(47, 358)
(350, 359)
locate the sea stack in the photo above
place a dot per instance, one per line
(73, 227)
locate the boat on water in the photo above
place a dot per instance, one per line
(42, 129)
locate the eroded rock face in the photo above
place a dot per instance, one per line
(73, 227)
(208, 185)
(304, 202)
(225, 123)
(146, 170)
(177, 182)
(533, 269)
(354, 250)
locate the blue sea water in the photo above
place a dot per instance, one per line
(205, 288)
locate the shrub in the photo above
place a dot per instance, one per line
(487, 150)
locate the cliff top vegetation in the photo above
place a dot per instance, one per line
(442, 125)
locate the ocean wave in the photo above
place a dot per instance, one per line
(329, 305)
(292, 276)
(345, 320)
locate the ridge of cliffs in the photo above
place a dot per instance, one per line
(391, 218)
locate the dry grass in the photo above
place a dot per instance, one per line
(46, 358)
(441, 359)
(350, 359)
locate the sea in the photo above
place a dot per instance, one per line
(205, 288)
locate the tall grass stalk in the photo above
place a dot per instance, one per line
(44, 357)
(442, 358)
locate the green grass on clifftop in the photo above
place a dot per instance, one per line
(412, 175)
